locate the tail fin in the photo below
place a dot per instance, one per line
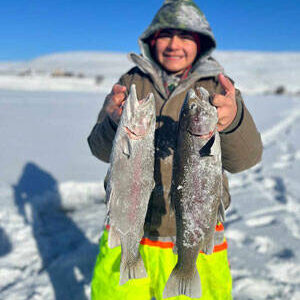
(179, 284)
(132, 270)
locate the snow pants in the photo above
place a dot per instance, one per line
(159, 260)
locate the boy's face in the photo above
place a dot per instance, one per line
(175, 49)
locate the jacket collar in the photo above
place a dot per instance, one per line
(205, 67)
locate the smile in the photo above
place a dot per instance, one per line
(173, 57)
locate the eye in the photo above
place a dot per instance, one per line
(165, 34)
(186, 36)
(193, 106)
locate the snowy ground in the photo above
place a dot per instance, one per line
(51, 197)
(263, 221)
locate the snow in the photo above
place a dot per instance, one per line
(267, 220)
(262, 72)
(51, 187)
(263, 220)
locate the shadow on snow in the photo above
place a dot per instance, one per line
(67, 255)
(5, 244)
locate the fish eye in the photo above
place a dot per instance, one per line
(193, 106)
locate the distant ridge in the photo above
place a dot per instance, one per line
(253, 72)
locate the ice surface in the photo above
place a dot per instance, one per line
(263, 223)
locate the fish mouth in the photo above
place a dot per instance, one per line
(203, 136)
(134, 136)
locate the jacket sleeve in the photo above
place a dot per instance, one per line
(241, 142)
(102, 135)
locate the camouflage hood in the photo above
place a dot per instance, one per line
(180, 14)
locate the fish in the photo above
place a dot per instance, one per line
(131, 181)
(196, 191)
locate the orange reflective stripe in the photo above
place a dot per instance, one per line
(219, 227)
(170, 245)
(159, 244)
(219, 247)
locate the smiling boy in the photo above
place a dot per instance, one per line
(176, 56)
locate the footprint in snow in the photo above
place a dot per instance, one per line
(278, 189)
(263, 244)
(231, 217)
(261, 222)
(285, 254)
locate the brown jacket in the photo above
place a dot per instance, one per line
(240, 144)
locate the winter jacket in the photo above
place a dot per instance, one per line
(240, 143)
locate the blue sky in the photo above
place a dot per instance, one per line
(30, 28)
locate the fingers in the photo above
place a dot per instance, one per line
(224, 119)
(118, 94)
(226, 115)
(219, 100)
(114, 112)
(225, 104)
(226, 84)
(118, 98)
(116, 102)
(117, 88)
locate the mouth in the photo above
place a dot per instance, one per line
(132, 135)
(173, 57)
(203, 136)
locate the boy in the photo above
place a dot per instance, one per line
(175, 57)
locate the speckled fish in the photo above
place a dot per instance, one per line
(130, 182)
(196, 192)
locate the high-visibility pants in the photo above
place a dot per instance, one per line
(159, 261)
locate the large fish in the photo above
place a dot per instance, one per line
(196, 191)
(130, 182)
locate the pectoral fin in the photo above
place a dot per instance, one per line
(126, 146)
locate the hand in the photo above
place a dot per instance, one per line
(225, 104)
(116, 101)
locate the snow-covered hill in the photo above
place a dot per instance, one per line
(254, 72)
(39, 74)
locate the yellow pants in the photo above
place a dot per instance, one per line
(159, 261)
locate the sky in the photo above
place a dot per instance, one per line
(31, 28)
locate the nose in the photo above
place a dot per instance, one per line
(174, 42)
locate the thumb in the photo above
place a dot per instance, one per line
(226, 84)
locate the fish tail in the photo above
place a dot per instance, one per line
(113, 238)
(178, 284)
(132, 270)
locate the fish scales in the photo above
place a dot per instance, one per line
(196, 191)
(130, 182)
